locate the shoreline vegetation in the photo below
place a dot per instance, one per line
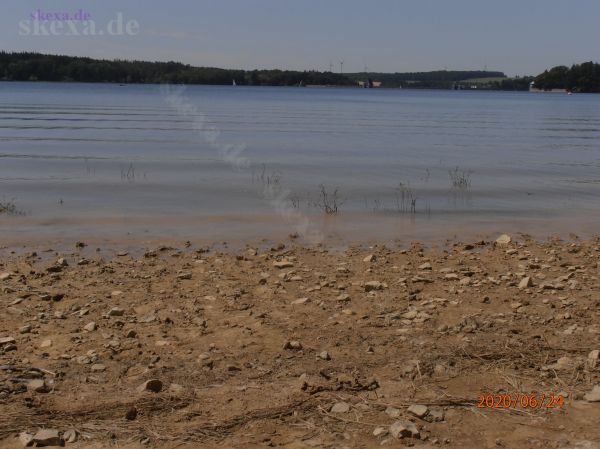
(24, 66)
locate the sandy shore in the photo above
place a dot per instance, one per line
(303, 347)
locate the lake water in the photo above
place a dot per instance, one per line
(121, 162)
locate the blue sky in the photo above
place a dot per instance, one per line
(516, 36)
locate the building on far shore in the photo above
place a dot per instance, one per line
(369, 84)
(532, 88)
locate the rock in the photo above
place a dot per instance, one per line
(131, 414)
(62, 262)
(98, 368)
(526, 282)
(451, 277)
(594, 395)
(419, 411)
(435, 415)
(6, 341)
(504, 239)
(592, 360)
(392, 412)
(5, 276)
(153, 385)
(116, 311)
(324, 355)
(370, 258)
(301, 301)
(373, 285)
(343, 297)
(46, 343)
(25, 329)
(47, 437)
(116, 293)
(131, 333)
(26, 439)
(380, 432)
(404, 429)
(425, 267)
(283, 264)
(90, 327)
(70, 435)
(184, 276)
(340, 407)
(38, 386)
(293, 345)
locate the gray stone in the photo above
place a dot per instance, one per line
(90, 327)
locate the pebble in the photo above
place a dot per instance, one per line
(526, 282)
(593, 357)
(6, 341)
(184, 276)
(116, 311)
(373, 285)
(293, 344)
(299, 302)
(98, 368)
(418, 410)
(370, 258)
(47, 437)
(404, 429)
(46, 344)
(392, 412)
(70, 435)
(283, 264)
(153, 385)
(504, 239)
(340, 407)
(324, 355)
(38, 386)
(380, 432)
(594, 395)
(90, 327)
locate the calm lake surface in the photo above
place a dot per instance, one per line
(119, 161)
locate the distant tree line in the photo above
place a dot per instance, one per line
(579, 78)
(39, 67)
(440, 79)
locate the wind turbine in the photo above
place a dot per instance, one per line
(341, 66)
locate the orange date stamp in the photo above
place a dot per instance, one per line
(520, 400)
